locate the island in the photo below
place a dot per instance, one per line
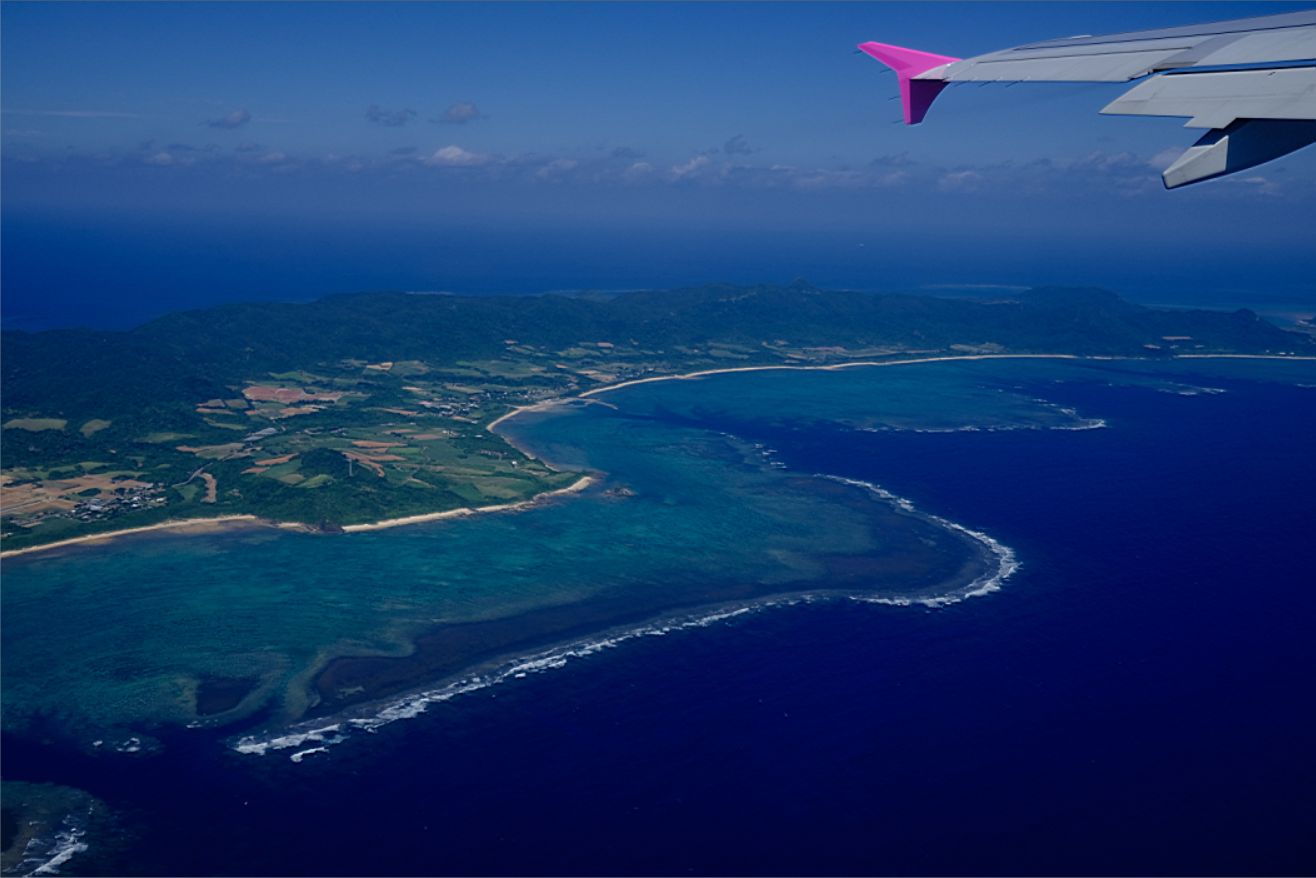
(366, 410)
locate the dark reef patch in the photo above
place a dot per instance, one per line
(9, 819)
(921, 557)
(220, 694)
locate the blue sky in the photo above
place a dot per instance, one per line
(397, 123)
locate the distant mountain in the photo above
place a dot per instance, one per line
(195, 355)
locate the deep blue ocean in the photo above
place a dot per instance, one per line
(1137, 699)
(106, 272)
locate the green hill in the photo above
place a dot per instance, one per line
(357, 407)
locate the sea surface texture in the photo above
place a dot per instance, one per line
(1012, 616)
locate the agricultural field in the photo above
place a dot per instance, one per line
(344, 443)
(340, 443)
(365, 407)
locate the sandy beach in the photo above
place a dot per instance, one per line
(575, 487)
(211, 525)
(833, 367)
(202, 525)
(540, 406)
(830, 367)
(195, 525)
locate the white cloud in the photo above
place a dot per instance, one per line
(637, 171)
(1257, 183)
(694, 166)
(555, 169)
(460, 113)
(1165, 157)
(453, 156)
(960, 181)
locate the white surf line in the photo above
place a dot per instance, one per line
(321, 735)
(830, 367)
(325, 735)
(407, 707)
(66, 844)
(1007, 562)
(1299, 357)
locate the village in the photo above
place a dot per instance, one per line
(336, 443)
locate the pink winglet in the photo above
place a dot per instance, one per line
(916, 94)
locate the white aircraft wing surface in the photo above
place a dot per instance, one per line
(1251, 82)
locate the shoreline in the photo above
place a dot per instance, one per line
(830, 367)
(542, 405)
(1298, 357)
(317, 734)
(835, 367)
(224, 521)
(574, 488)
(219, 522)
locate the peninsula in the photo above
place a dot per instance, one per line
(367, 410)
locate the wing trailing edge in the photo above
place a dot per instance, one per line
(1252, 82)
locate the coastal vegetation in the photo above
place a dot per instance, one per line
(363, 407)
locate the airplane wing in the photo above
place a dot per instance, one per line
(1251, 82)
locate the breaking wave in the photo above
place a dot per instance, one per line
(1079, 424)
(45, 856)
(323, 736)
(308, 739)
(1006, 561)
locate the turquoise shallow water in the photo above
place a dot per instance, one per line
(107, 643)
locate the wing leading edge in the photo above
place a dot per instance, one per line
(1251, 82)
